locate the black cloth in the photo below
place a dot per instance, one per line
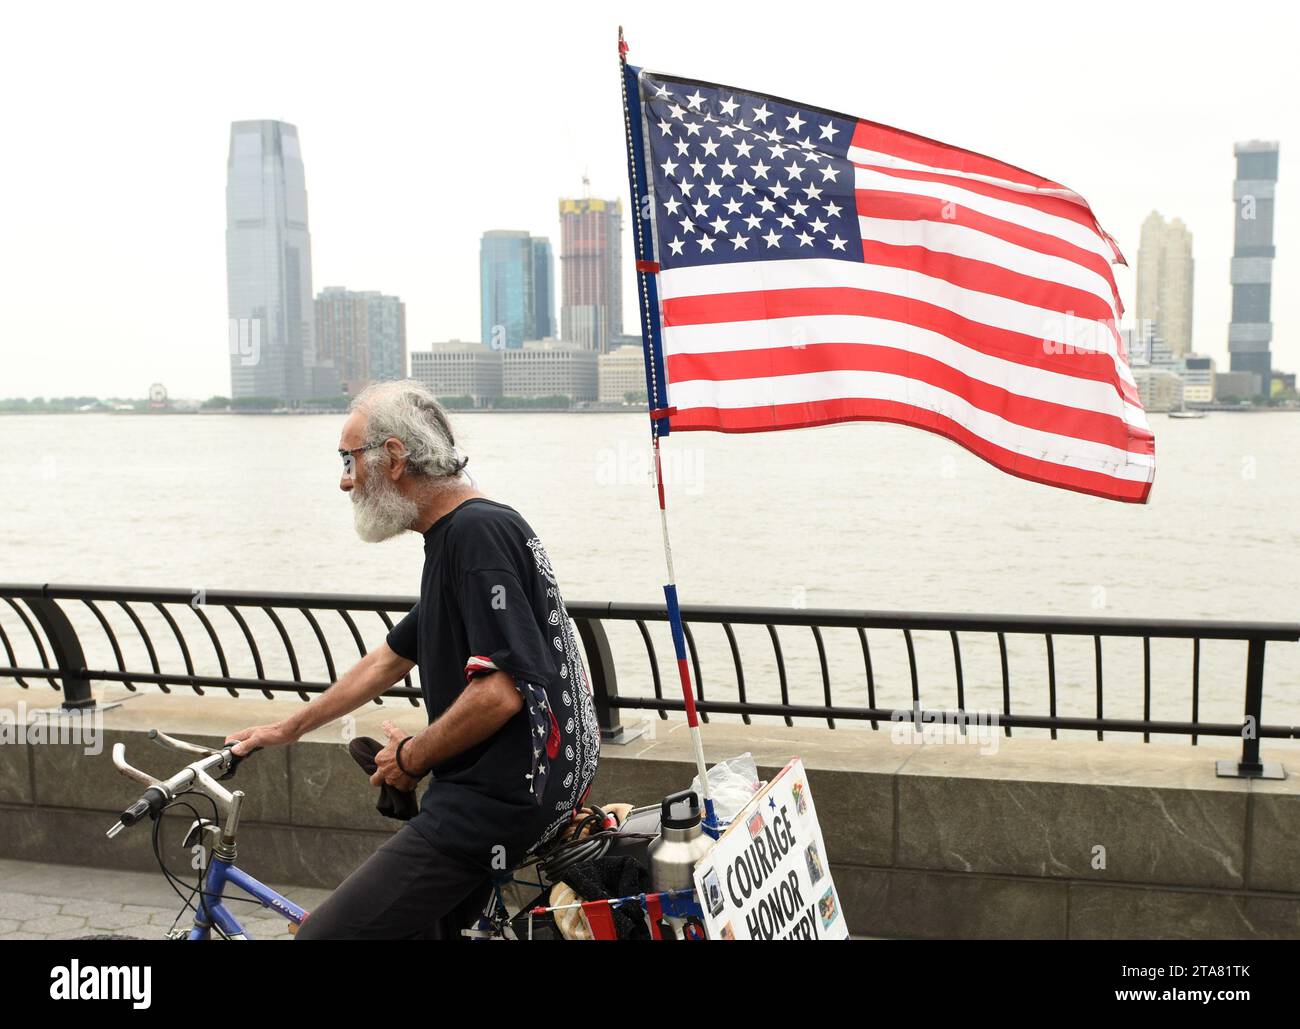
(614, 876)
(489, 600)
(406, 890)
(393, 803)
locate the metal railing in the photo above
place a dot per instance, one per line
(202, 656)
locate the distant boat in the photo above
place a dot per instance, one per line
(1184, 413)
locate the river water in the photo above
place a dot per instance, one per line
(863, 516)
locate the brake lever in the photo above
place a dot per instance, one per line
(235, 761)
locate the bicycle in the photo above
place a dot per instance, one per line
(513, 898)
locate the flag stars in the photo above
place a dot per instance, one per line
(692, 128)
(817, 225)
(743, 149)
(772, 239)
(710, 147)
(793, 170)
(794, 122)
(732, 206)
(719, 226)
(832, 210)
(714, 188)
(838, 243)
(700, 208)
(754, 222)
(676, 112)
(767, 205)
(728, 106)
(760, 170)
(829, 174)
(804, 239)
(761, 114)
(676, 246)
(671, 205)
(681, 146)
(706, 244)
(828, 131)
(727, 169)
(694, 100)
(697, 166)
(687, 225)
(669, 167)
(739, 242)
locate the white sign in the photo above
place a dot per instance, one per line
(767, 878)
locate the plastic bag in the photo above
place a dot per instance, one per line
(731, 784)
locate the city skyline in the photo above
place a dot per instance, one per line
(402, 219)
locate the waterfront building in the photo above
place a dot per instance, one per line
(363, 334)
(516, 288)
(591, 260)
(1161, 389)
(1251, 330)
(544, 368)
(271, 339)
(621, 371)
(456, 369)
(1164, 281)
(1198, 379)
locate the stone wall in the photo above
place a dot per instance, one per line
(1037, 838)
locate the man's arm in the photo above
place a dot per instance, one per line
(483, 707)
(364, 681)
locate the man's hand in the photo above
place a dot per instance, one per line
(260, 736)
(386, 770)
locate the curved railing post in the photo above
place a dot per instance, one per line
(68, 656)
(603, 676)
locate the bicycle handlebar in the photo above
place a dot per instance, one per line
(194, 777)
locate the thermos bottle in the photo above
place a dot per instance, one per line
(681, 843)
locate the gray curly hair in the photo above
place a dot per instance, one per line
(407, 410)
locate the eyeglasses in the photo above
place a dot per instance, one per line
(349, 456)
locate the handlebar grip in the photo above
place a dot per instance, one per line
(150, 803)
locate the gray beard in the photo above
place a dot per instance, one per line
(380, 511)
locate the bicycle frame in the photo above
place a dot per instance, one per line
(211, 910)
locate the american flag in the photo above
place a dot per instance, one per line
(810, 267)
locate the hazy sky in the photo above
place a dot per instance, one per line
(423, 125)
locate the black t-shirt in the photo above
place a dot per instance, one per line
(489, 600)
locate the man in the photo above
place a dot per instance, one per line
(512, 741)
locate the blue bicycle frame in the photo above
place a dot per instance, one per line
(213, 911)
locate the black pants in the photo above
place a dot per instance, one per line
(406, 890)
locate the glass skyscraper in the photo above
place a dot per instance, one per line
(268, 269)
(1251, 330)
(516, 276)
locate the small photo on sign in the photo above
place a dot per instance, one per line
(755, 824)
(728, 933)
(713, 892)
(800, 798)
(814, 863)
(827, 907)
